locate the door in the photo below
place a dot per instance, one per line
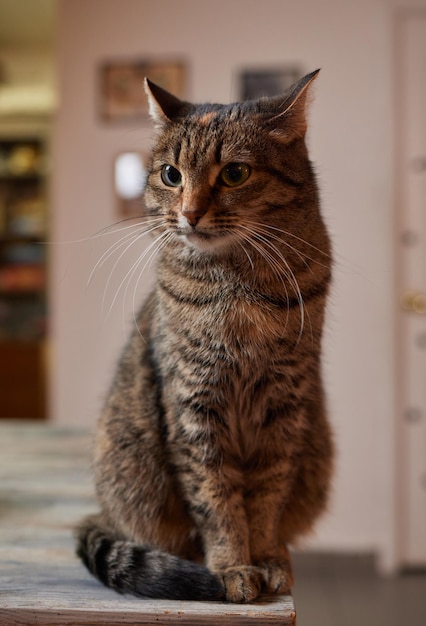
(411, 269)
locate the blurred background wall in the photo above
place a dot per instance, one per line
(351, 138)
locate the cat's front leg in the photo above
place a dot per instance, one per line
(243, 549)
(268, 551)
(219, 512)
(242, 583)
(227, 549)
(276, 571)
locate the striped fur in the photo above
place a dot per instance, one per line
(213, 452)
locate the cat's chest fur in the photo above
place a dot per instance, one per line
(223, 345)
(219, 309)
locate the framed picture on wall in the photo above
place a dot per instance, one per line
(122, 95)
(256, 83)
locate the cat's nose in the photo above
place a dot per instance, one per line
(193, 214)
(192, 218)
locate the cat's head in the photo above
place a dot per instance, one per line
(228, 175)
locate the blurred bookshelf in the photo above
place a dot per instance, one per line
(23, 276)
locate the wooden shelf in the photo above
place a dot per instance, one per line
(23, 379)
(19, 177)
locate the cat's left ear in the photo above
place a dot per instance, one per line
(164, 106)
(287, 114)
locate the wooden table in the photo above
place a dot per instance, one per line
(45, 488)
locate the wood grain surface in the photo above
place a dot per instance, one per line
(45, 488)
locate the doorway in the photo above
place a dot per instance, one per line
(410, 175)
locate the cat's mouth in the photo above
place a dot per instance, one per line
(199, 234)
(204, 239)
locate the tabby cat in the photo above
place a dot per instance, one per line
(213, 452)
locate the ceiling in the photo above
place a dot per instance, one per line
(27, 22)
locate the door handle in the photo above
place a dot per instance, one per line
(414, 302)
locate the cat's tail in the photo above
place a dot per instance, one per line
(142, 570)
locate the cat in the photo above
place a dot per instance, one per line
(213, 452)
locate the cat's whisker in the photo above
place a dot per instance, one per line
(301, 239)
(294, 281)
(302, 255)
(248, 238)
(133, 237)
(133, 240)
(255, 236)
(162, 242)
(272, 262)
(288, 272)
(281, 274)
(129, 273)
(245, 252)
(338, 260)
(107, 230)
(152, 250)
(261, 229)
(110, 251)
(143, 220)
(303, 310)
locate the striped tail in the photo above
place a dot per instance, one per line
(140, 570)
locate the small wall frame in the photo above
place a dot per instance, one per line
(258, 82)
(122, 95)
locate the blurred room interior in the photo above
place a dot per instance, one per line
(72, 119)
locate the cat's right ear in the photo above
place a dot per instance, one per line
(288, 113)
(163, 106)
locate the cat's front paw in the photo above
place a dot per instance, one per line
(277, 576)
(242, 583)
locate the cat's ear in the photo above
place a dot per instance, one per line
(287, 114)
(164, 106)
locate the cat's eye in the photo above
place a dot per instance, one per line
(234, 174)
(171, 176)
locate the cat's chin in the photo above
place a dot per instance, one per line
(203, 242)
